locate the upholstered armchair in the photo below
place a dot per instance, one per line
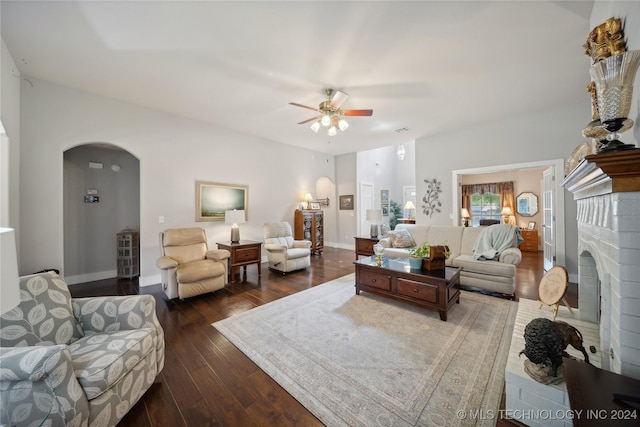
(188, 267)
(284, 253)
(76, 362)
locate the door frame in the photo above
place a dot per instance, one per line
(558, 209)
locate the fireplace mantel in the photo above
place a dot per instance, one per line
(605, 173)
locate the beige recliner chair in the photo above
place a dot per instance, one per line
(187, 266)
(284, 253)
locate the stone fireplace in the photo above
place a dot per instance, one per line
(607, 190)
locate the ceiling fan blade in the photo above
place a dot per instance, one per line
(303, 106)
(309, 120)
(337, 99)
(358, 112)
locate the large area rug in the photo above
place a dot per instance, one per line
(369, 361)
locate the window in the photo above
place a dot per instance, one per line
(484, 206)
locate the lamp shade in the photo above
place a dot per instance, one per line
(9, 279)
(234, 217)
(506, 211)
(374, 215)
(464, 213)
(409, 205)
(308, 197)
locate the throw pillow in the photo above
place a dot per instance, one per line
(44, 315)
(401, 239)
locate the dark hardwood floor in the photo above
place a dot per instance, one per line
(206, 379)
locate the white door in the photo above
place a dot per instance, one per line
(549, 219)
(365, 202)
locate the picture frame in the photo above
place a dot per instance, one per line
(531, 226)
(384, 197)
(385, 210)
(213, 199)
(346, 202)
(315, 205)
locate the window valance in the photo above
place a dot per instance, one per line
(489, 187)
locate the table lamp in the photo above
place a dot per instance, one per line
(409, 206)
(308, 198)
(9, 279)
(506, 213)
(373, 216)
(234, 218)
(464, 213)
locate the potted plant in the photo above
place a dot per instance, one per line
(417, 254)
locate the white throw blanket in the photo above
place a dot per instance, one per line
(494, 239)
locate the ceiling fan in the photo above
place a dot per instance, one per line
(331, 115)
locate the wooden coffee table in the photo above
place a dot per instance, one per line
(435, 290)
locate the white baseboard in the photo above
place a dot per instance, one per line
(347, 246)
(149, 280)
(90, 277)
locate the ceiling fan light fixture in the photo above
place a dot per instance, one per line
(325, 120)
(315, 126)
(332, 131)
(342, 124)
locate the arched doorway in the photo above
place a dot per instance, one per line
(101, 193)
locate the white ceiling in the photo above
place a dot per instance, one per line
(428, 66)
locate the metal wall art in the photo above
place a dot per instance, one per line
(432, 203)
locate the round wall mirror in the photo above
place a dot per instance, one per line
(527, 204)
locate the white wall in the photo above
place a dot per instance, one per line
(382, 168)
(174, 153)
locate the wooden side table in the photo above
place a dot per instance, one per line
(364, 246)
(244, 253)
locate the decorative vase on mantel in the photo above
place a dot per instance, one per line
(614, 77)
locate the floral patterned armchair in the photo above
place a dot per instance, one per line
(76, 362)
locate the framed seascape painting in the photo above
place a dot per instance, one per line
(213, 199)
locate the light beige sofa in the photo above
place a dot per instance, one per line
(493, 276)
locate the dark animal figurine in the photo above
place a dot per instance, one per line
(571, 335)
(543, 343)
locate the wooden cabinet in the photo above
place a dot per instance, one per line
(530, 243)
(309, 225)
(128, 254)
